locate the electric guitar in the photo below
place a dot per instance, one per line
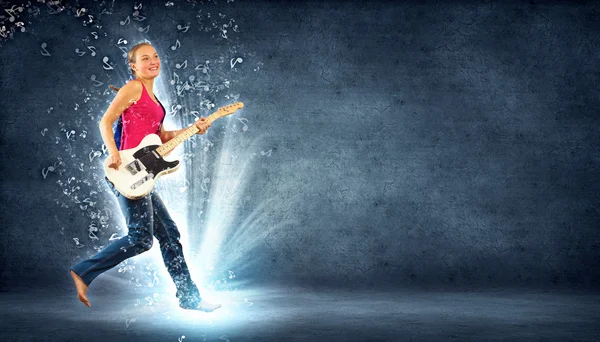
(142, 165)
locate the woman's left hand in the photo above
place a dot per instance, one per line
(202, 125)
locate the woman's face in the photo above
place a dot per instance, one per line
(147, 63)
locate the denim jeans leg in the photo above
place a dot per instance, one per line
(167, 234)
(140, 225)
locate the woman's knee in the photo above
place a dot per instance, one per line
(145, 244)
(142, 242)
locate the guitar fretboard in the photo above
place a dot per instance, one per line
(181, 137)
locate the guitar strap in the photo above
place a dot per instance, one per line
(119, 131)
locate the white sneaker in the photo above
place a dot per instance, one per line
(203, 306)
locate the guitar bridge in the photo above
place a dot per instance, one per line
(142, 181)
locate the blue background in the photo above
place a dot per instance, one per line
(387, 143)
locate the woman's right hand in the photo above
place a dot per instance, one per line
(114, 160)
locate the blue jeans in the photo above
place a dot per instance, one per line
(145, 217)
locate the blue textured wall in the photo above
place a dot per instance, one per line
(386, 143)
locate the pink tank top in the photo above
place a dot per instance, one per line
(141, 118)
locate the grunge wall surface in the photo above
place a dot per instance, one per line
(381, 143)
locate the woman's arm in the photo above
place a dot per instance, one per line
(168, 135)
(126, 95)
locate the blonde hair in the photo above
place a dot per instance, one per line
(131, 59)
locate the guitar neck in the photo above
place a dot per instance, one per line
(181, 137)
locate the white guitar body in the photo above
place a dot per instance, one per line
(140, 168)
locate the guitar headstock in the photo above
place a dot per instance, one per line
(229, 109)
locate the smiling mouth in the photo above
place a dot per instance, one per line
(154, 69)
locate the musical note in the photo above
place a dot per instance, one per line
(83, 134)
(94, 154)
(95, 82)
(138, 7)
(179, 66)
(185, 186)
(95, 35)
(268, 153)
(46, 170)
(10, 12)
(129, 321)
(181, 338)
(77, 244)
(245, 128)
(126, 22)
(152, 300)
(114, 236)
(54, 11)
(174, 76)
(169, 4)
(179, 90)
(44, 51)
(21, 25)
(206, 103)
(80, 12)
(35, 11)
(124, 50)
(106, 66)
(203, 85)
(231, 275)
(44, 131)
(126, 268)
(177, 45)
(233, 63)
(138, 17)
(183, 29)
(76, 106)
(72, 132)
(174, 109)
(122, 41)
(248, 302)
(145, 30)
(91, 19)
(203, 67)
(93, 49)
(80, 53)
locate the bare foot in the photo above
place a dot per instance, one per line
(81, 289)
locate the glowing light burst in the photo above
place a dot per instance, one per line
(229, 182)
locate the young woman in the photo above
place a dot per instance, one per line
(139, 114)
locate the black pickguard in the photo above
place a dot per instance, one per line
(153, 162)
